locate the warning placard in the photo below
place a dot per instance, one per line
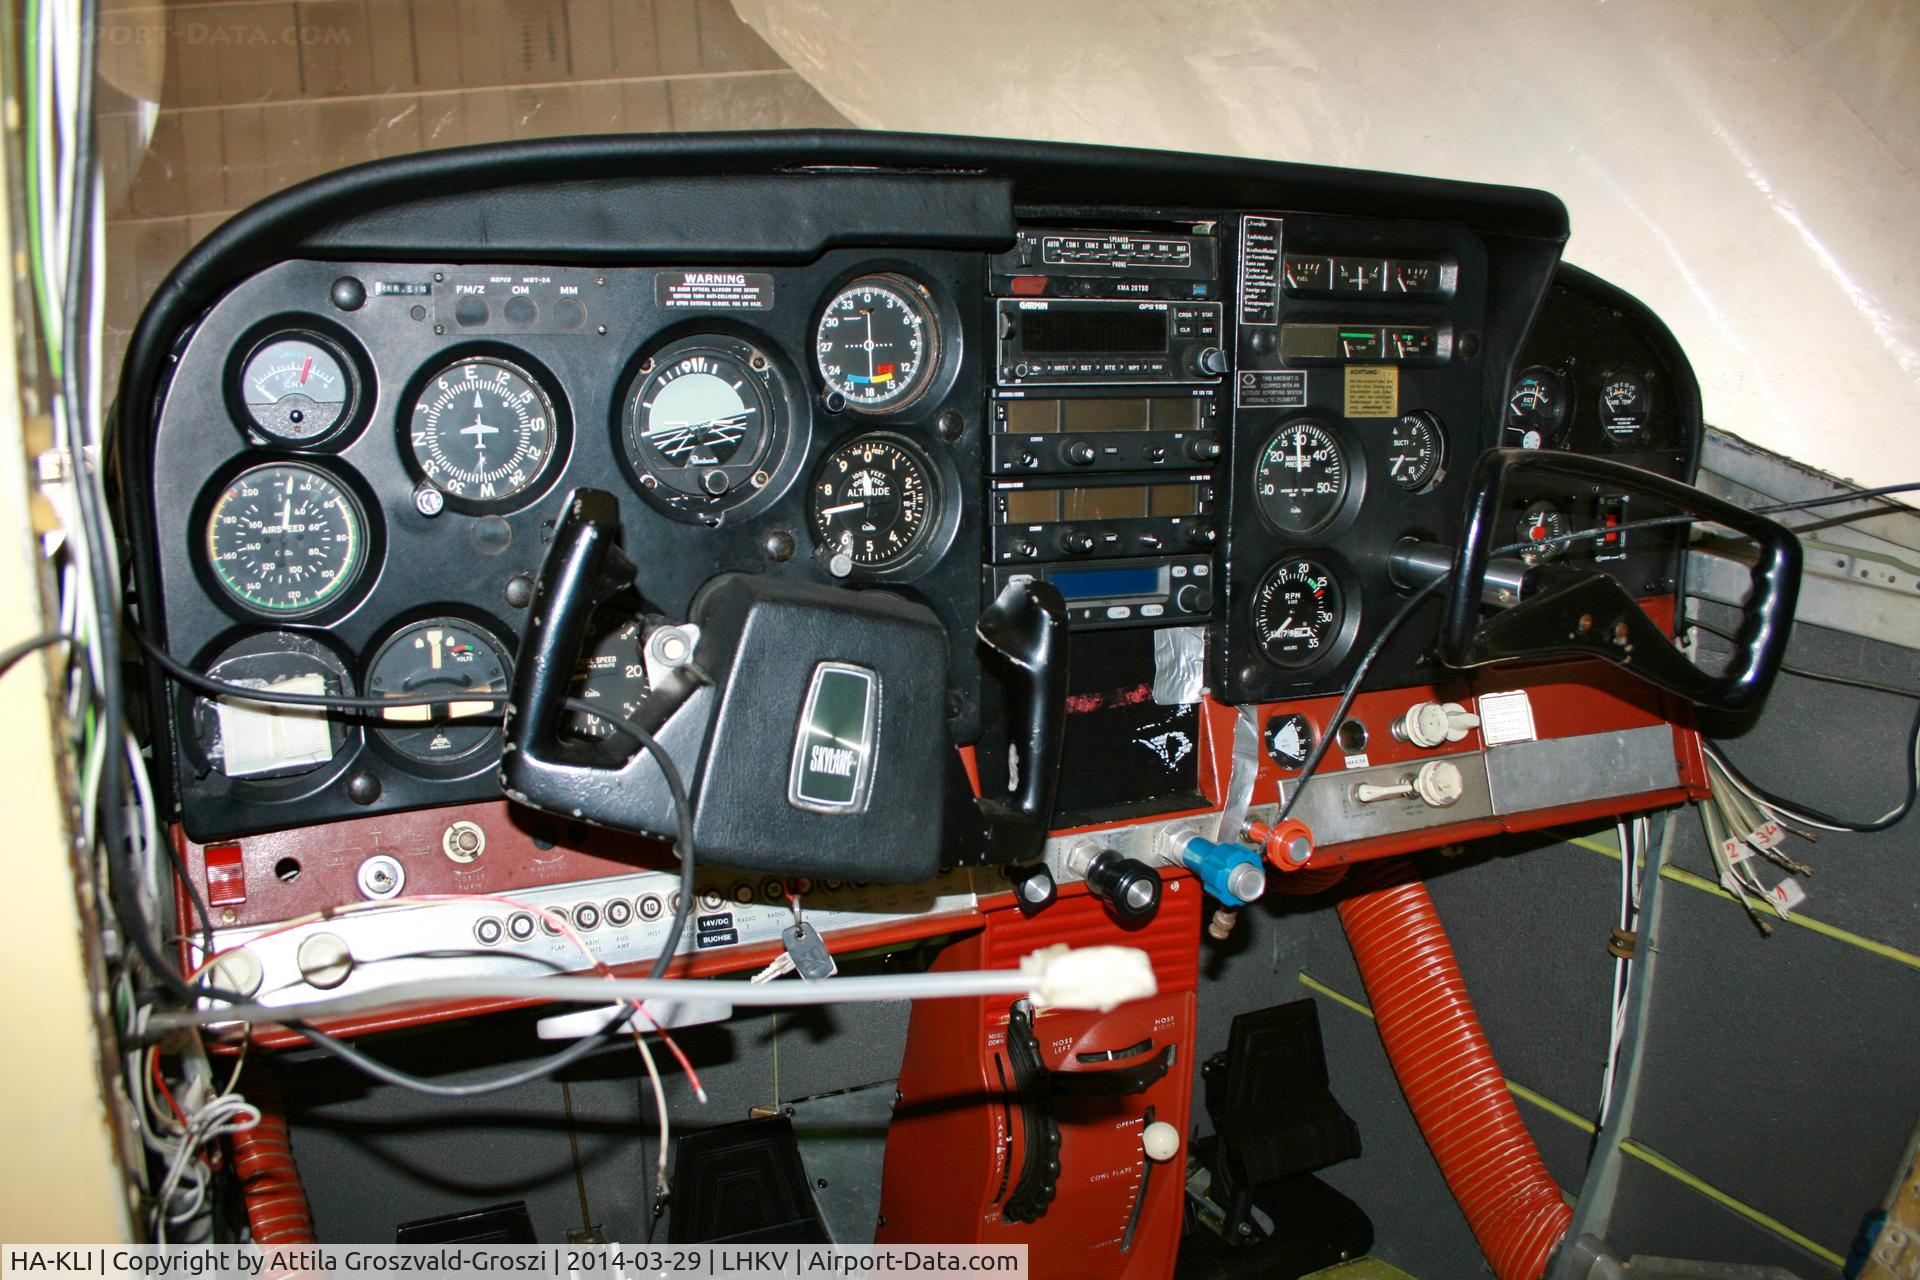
(1373, 391)
(714, 290)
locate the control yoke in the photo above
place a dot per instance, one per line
(1567, 609)
(809, 722)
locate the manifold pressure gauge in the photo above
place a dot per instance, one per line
(872, 501)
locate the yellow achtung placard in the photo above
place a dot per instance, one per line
(1373, 391)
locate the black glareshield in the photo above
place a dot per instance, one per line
(1573, 610)
(811, 723)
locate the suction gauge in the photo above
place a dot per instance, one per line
(297, 387)
(1417, 452)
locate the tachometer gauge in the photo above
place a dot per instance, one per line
(612, 673)
(1624, 405)
(872, 501)
(1416, 452)
(1539, 523)
(702, 420)
(1297, 612)
(285, 539)
(877, 343)
(260, 741)
(461, 667)
(1300, 477)
(1537, 409)
(297, 387)
(482, 430)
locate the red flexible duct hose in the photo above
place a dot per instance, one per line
(1448, 1072)
(1312, 880)
(269, 1180)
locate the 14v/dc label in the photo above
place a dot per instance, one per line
(714, 290)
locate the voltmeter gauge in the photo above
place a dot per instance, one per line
(872, 501)
(1297, 612)
(482, 430)
(877, 343)
(1624, 405)
(297, 387)
(1300, 478)
(285, 539)
(1542, 522)
(461, 668)
(1416, 452)
(1537, 409)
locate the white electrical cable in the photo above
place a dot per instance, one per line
(1088, 977)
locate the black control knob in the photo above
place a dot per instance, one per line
(1154, 453)
(1078, 541)
(1262, 342)
(1033, 888)
(1129, 887)
(1202, 534)
(1193, 597)
(1212, 360)
(1027, 460)
(1079, 453)
(1025, 550)
(1204, 449)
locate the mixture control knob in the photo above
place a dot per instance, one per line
(1212, 360)
(1078, 541)
(1429, 724)
(1080, 453)
(1439, 783)
(1205, 449)
(1129, 887)
(1193, 598)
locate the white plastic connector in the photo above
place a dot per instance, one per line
(1063, 977)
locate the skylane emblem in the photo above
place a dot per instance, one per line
(833, 747)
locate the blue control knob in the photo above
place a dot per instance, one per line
(1231, 873)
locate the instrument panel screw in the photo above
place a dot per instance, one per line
(519, 592)
(760, 479)
(758, 362)
(429, 501)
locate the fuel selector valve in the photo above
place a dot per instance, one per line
(1129, 887)
(1230, 873)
